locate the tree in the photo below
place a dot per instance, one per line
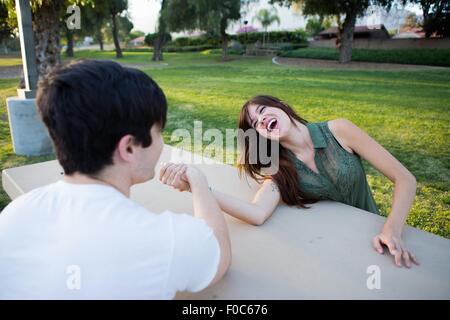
(124, 28)
(211, 16)
(115, 9)
(436, 17)
(71, 34)
(266, 18)
(46, 15)
(345, 12)
(220, 14)
(6, 30)
(151, 37)
(160, 37)
(46, 23)
(315, 25)
(96, 14)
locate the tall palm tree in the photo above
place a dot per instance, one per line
(266, 18)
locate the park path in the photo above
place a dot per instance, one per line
(8, 72)
(354, 65)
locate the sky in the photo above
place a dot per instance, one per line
(144, 14)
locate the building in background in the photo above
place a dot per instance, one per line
(139, 41)
(361, 32)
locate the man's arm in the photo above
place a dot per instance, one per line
(206, 208)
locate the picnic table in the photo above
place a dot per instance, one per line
(324, 252)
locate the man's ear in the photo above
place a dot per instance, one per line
(126, 148)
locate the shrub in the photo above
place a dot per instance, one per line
(205, 39)
(293, 37)
(188, 48)
(297, 37)
(434, 57)
(151, 37)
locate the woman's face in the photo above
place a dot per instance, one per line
(272, 123)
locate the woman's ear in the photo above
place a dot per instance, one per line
(126, 148)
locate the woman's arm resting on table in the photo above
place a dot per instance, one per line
(360, 142)
(255, 212)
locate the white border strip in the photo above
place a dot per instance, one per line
(274, 61)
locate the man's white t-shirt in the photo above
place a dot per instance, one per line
(89, 241)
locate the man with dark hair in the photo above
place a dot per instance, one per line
(105, 121)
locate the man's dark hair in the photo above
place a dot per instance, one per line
(88, 106)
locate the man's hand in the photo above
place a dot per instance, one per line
(396, 248)
(174, 175)
(181, 176)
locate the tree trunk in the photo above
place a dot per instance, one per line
(224, 47)
(46, 30)
(69, 49)
(339, 33)
(158, 48)
(426, 20)
(224, 36)
(100, 38)
(98, 26)
(346, 38)
(159, 42)
(116, 37)
(5, 47)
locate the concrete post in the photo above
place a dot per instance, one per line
(29, 135)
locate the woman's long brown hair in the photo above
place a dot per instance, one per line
(286, 178)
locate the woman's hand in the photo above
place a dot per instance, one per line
(174, 174)
(396, 248)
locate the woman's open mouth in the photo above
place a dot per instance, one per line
(271, 124)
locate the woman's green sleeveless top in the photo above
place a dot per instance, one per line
(341, 175)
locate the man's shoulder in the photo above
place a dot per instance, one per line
(106, 207)
(28, 198)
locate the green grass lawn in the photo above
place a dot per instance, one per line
(408, 112)
(432, 57)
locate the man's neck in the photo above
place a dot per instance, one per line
(122, 185)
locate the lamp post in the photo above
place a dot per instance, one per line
(246, 35)
(27, 49)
